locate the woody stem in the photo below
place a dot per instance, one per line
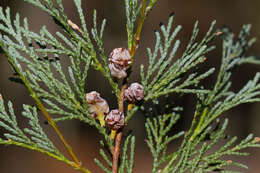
(116, 149)
(119, 135)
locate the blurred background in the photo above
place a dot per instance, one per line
(244, 119)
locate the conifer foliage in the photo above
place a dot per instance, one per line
(38, 62)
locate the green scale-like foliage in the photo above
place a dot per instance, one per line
(169, 75)
(43, 56)
(33, 138)
(54, 68)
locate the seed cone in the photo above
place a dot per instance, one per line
(98, 106)
(119, 61)
(134, 93)
(115, 119)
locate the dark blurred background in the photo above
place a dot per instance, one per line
(243, 119)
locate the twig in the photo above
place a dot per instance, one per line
(116, 150)
(138, 30)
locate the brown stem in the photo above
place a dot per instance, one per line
(121, 98)
(116, 150)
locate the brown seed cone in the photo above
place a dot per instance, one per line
(96, 103)
(134, 93)
(116, 71)
(115, 119)
(119, 61)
